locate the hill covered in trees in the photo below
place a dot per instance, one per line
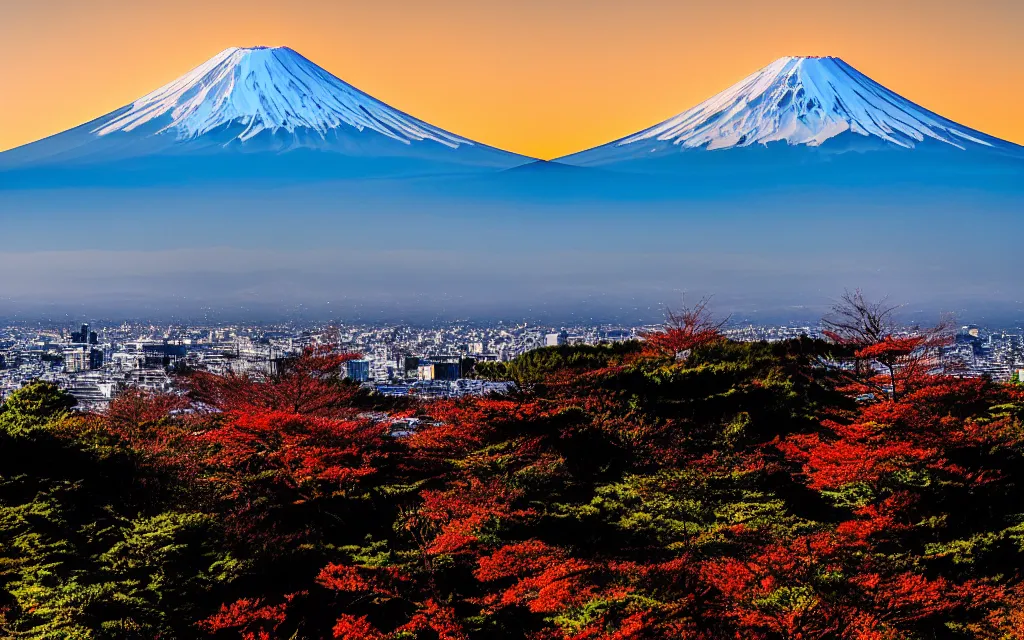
(682, 487)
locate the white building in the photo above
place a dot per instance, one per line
(555, 339)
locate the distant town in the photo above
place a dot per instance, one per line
(95, 363)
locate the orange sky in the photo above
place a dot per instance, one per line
(540, 77)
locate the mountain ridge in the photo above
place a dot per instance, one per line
(268, 113)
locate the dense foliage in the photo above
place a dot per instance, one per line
(683, 487)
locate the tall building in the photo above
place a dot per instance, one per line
(357, 370)
(81, 337)
(82, 359)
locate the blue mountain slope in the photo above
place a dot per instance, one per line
(798, 112)
(259, 112)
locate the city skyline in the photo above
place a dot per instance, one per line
(98, 362)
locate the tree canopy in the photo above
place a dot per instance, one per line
(686, 486)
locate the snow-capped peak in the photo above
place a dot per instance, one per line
(805, 101)
(267, 89)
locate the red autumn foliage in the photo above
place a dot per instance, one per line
(457, 516)
(251, 618)
(744, 491)
(307, 454)
(437, 619)
(547, 580)
(138, 410)
(376, 581)
(900, 362)
(307, 384)
(464, 425)
(685, 329)
(353, 628)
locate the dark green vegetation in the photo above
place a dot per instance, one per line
(684, 487)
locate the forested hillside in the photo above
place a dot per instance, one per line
(681, 487)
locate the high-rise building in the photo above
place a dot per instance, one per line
(82, 359)
(357, 370)
(76, 360)
(80, 337)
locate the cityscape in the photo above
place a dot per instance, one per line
(97, 362)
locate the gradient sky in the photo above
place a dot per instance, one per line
(540, 77)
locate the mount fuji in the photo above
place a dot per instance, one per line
(797, 108)
(253, 111)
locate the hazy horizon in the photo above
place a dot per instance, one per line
(385, 254)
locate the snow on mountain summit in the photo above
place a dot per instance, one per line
(800, 101)
(251, 105)
(268, 89)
